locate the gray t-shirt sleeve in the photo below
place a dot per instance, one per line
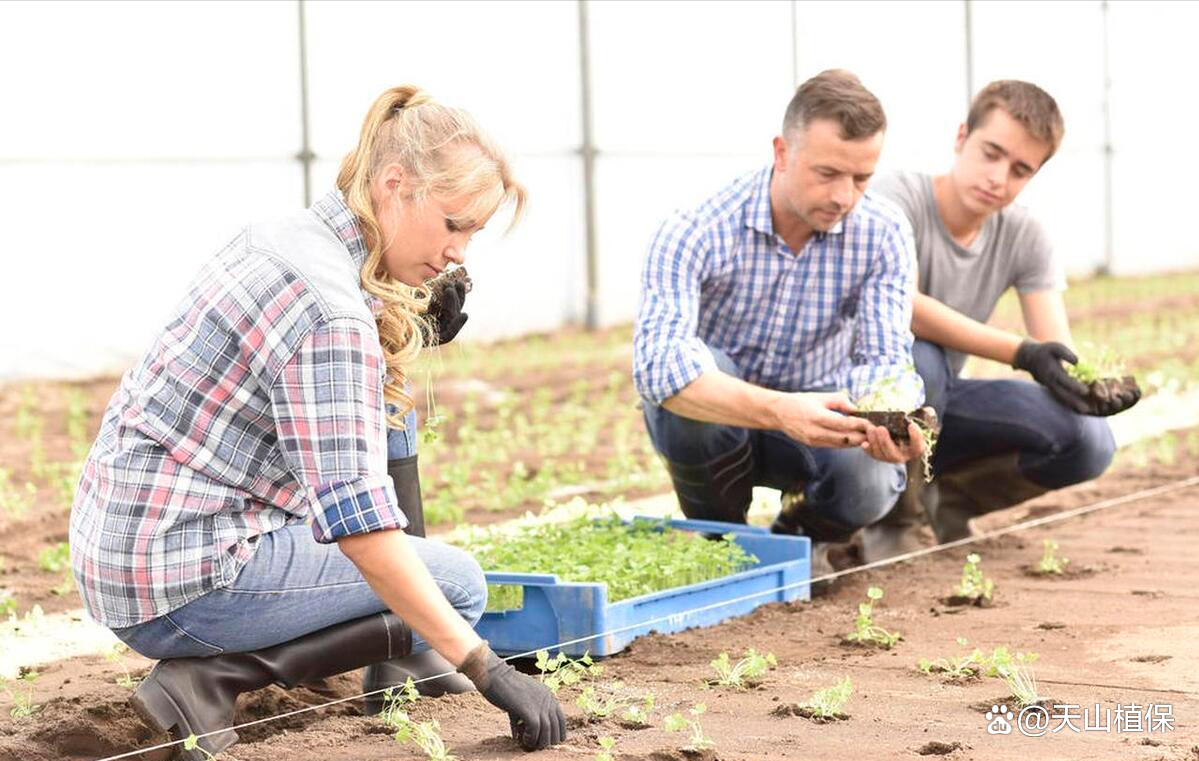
(1037, 268)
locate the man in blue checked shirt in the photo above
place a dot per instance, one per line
(770, 306)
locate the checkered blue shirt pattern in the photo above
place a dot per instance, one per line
(255, 408)
(837, 315)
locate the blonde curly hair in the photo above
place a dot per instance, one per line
(443, 153)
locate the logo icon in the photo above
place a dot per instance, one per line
(999, 721)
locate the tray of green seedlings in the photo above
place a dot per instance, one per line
(607, 581)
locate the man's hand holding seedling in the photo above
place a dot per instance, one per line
(814, 419)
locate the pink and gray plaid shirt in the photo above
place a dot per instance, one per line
(259, 405)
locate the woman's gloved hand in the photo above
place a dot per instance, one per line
(445, 313)
(537, 719)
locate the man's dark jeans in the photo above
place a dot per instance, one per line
(846, 488)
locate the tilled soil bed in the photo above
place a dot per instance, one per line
(1123, 634)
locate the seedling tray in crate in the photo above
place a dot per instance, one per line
(557, 611)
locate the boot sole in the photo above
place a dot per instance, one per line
(158, 709)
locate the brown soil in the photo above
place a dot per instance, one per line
(1121, 636)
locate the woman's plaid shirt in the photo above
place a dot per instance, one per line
(259, 405)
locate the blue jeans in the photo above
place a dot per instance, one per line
(402, 444)
(293, 586)
(844, 489)
(979, 418)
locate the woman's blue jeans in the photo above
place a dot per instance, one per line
(293, 586)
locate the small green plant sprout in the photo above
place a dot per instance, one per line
(1050, 563)
(973, 587)
(1017, 673)
(597, 706)
(1100, 362)
(21, 697)
(55, 559)
(865, 631)
(744, 673)
(828, 703)
(561, 670)
(425, 735)
(606, 745)
(638, 714)
(677, 722)
(969, 666)
(191, 742)
(115, 655)
(8, 607)
(15, 500)
(431, 434)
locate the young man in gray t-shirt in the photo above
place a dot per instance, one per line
(1003, 441)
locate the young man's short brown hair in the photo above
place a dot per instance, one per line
(1028, 104)
(837, 95)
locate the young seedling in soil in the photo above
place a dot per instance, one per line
(15, 500)
(1103, 375)
(865, 631)
(744, 673)
(114, 655)
(191, 742)
(959, 669)
(1050, 563)
(561, 670)
(597, 707)
(8, 607)
(606, 745)
(677, 722)
(824, 706)
(425, 735)
(21, 697)
(974, 588)
(637, 715)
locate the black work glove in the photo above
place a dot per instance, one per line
(536, 718)
(445, 313)
(1043, 360)
(1110, 399)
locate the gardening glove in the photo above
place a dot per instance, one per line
(1043, 360)
(1111, 399)
(445, 313)
(536, 718)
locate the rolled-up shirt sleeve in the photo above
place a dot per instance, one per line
(328, 410)
(882, 350)
(667, 352)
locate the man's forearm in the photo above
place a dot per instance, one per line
(935, 322)
(717, 397)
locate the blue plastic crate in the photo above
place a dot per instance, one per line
(560, 611)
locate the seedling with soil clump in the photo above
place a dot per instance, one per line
(973, 588)
(865, 631)
(1103, 375)
(824, 706)
(677, 722)
(1050, 563)
(888, 406)
(425, 735)
(743, 674)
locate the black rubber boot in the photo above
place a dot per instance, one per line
(377, 676)
(186, 696)
(977, 488)
(719, 490)
(900, 531)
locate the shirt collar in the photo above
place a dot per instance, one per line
(757, 215)
(334, 212)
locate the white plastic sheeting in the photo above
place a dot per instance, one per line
(136, 138)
